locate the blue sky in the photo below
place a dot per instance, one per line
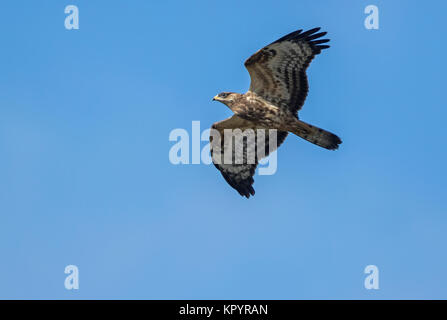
(85, 117)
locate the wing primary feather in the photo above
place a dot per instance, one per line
(309, 32)
(289, 36)
(315, 36)
(320, 41)
(322, 47)
(309, 36)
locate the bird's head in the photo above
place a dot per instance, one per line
(227, 98)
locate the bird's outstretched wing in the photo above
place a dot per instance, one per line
(278, 71)
(237, 155)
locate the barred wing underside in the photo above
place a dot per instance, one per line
(236, 147)
(278, 71)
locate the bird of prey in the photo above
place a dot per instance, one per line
(277, 92)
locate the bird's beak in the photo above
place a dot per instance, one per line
(215, 98)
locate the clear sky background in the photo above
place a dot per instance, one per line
(85, 177)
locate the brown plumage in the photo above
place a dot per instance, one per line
(277, 92)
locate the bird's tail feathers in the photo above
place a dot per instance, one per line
(316, 135)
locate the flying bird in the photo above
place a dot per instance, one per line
(277, 92)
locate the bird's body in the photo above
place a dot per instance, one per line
(277, 91)
(251, 107)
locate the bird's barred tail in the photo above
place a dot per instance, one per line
(316, 135)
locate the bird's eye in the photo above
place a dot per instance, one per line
(223, 95)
